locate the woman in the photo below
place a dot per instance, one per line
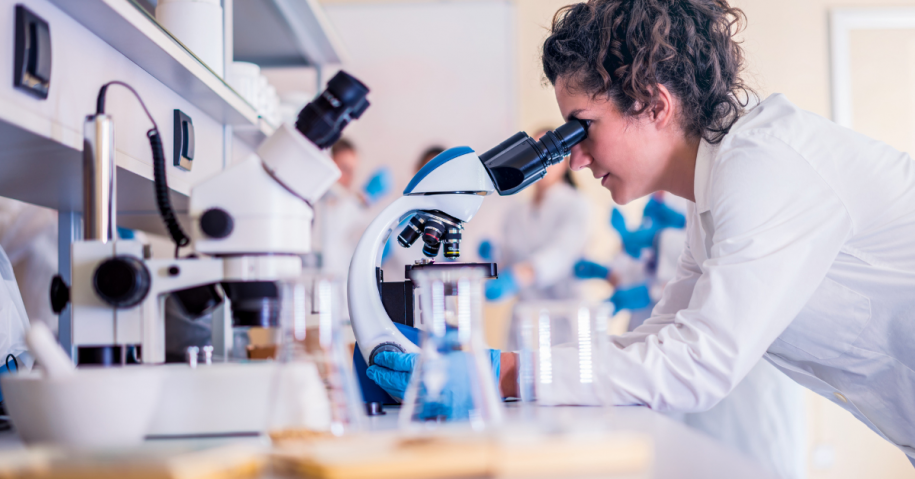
(541, 240)
(799, 232)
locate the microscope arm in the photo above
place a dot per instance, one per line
(375, 332)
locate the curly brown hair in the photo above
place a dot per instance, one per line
(623, 49)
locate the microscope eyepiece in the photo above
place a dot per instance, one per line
(322, 121)
(520, 161)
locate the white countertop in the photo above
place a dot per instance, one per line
(679, 452)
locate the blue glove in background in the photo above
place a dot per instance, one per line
(663, 216)
(486, 250)
(633, 298)
(378, 185)
(13, 366)
(633, 241)
(585, 269)
(392, 371)
(126, 234)
(503, 286)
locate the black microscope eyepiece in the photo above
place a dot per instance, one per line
(322, 121)
(520, 161)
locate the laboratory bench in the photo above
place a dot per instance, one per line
(678, 451)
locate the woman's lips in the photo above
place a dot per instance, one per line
(603, 179)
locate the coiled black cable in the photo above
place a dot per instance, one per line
(159, 175)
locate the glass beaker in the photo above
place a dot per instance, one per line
(563, 351)
(453, 379)
(315, 389)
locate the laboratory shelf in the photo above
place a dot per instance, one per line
(134, 33)
(41, 170)
(284, 33)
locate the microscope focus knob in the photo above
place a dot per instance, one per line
(122, 281)
(216, 223)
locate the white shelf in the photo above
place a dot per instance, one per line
(284, 33)
(136, 35)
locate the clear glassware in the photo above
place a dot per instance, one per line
(563, 349)
(315, 390)
(453, 379)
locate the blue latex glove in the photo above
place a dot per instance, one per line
(126, 234)
(633, 298)
(486, 250)
(633, 241)
(502, 287)
(663, 216)
(585, 269)
(392, 371)
(378, 185)
(12, 366)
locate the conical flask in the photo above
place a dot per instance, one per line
(453, 379)
(315, 390)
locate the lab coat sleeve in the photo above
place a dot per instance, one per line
(777, 227)
(554, 262)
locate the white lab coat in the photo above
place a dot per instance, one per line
(799, 249)
(340, 219)
(28, 234)
(551, 237)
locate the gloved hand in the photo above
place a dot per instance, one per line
(662, 215)
(392, 371)
(378, 185)
(503, 286)
(486, 250)
(585, 269)
(632, 298)
(633, 241)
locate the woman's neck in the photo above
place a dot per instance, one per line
(681, 173)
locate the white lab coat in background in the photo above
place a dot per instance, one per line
(551, 237)
(800, 250)
(28, 234)
(340, 219)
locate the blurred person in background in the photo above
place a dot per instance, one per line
(341, 215)
(647, 259)
(541, 240)
(28, 234)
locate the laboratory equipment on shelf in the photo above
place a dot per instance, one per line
(443, 195)
(250, 225)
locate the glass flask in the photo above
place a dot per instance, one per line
(315, 390)
(453, 379)
(563, 349)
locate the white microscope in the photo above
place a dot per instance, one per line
(250, 225)
(443, 195)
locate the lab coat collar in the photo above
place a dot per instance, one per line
(702, 180)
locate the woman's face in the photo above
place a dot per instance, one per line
(628, 155)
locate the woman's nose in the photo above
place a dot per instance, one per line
(579, 158)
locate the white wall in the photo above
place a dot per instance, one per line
(439, 73)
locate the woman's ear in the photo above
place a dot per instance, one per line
(662, 110)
